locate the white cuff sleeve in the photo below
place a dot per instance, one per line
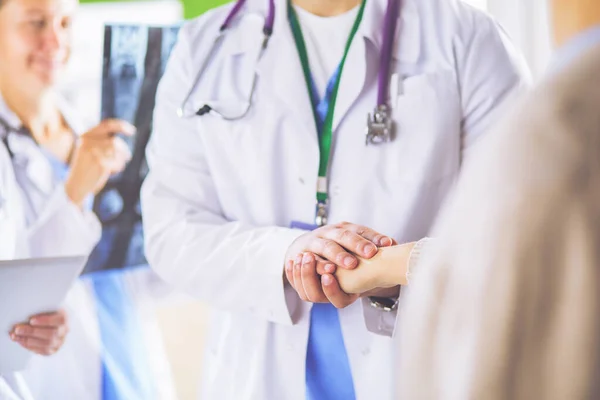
(379, 321)
(416, 256)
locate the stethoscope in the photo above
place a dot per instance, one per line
(380, 125)
(5, 130)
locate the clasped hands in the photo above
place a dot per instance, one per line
(339, 263)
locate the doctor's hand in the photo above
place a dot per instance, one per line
(321, 252)
(44, 334)
(99, 154)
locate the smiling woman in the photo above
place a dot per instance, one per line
(37, 54)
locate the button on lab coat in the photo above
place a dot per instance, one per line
(221, 195)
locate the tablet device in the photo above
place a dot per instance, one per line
(29, 287)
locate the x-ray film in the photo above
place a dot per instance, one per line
(134, 60)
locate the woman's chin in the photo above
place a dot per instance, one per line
(45, 80)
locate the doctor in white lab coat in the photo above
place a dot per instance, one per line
(58, 166)
(222, 195)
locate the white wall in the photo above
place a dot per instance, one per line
(527, 22)
(478, 3)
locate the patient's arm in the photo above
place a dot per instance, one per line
(387, 269)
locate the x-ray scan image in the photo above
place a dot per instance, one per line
(135, 58)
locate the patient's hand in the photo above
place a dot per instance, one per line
(385, 270)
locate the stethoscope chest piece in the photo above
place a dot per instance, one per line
(380, 126)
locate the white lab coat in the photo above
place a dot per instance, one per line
(220, 195)
(57, 227)
(13, 244)
(13, 241)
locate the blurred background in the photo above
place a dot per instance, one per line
(525, 21)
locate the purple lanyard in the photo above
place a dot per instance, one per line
(380, 125)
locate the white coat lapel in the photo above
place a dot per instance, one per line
(29, 169)
(354, 74)
(407, 46)
(282, 68)
(352, 80)
(32, 169)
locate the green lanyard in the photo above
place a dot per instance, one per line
(326, 132)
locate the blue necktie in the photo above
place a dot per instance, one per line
(328, 375)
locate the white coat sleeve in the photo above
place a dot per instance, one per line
(13, 387)
(6, 393)
(492, 75)
(190, 244)
(63, 229)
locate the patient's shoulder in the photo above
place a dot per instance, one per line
(552, 134)
(570, 101)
